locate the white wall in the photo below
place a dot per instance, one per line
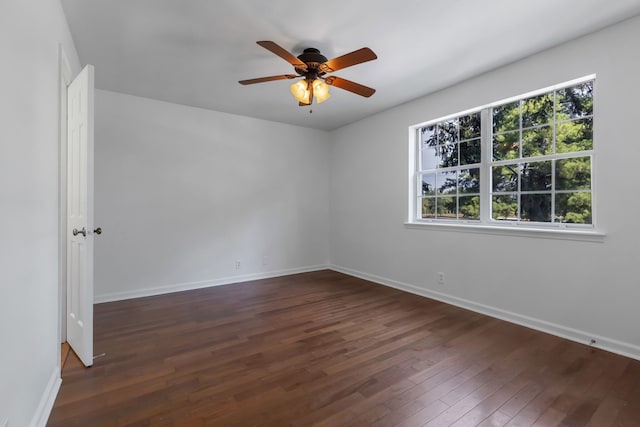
(182, 193)
(576, 289)
(29, 127)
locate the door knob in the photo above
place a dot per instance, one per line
(83, 232)
(98, 230)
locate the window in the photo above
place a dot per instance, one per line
(525, 161)
(450, 158)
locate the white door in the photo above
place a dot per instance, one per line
(80, 215)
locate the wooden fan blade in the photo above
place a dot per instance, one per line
(268, 79)
(354, 87)
(283, 53)
(356, 57)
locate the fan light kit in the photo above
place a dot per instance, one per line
(302, 91)
(313, 67)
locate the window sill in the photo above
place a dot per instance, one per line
(516, 231)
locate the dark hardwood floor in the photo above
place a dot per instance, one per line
(326, 349)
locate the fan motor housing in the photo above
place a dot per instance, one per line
(312, 57)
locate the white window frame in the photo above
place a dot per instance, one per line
(564, 231)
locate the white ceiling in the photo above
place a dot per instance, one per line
(193, 52)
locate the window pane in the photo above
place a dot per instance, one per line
(504, 178)
(506, 117)
(470, 126)
(573, 208)
(447, 208)
(535, 207)
(446, 182)
(447, 131)
(537, 111)
(504, 208)
(574, 136)
(429, 158)
(470, 152)
(469, 181)
(575, 102)
(428, 184)
(447, 155)
(429, 153)
(573, 174)
(442, 156)
(428, 207)
(506, 146)
(536, 176)
(428, 137)
(469, 207)
(537, 141)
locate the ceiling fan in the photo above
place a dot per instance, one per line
(314, 67)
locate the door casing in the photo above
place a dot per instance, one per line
(65, 79)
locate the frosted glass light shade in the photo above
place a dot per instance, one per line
(320, 90)
(300, 91)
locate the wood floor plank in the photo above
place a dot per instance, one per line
(327, 349)
(496, 419)
(426, 414)
(607, 412)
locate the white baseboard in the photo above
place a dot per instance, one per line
(47, 400)
(139, 293)
(583, 337)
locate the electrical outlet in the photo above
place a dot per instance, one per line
(440, 278)
(238, 265)
(265, 260)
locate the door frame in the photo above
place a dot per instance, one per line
(65, 78)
